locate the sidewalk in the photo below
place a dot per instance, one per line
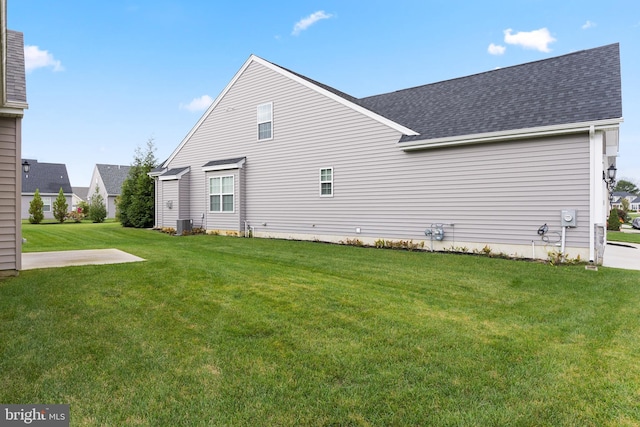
(622, 255)
(33, 260)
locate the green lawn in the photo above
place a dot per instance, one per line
(214, 330)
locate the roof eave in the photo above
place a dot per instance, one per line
(509, 135)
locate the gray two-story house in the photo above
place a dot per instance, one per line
(487, 160)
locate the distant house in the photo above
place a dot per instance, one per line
(635, 204)
(480, 161)
(108, 179)
(13, 101)
(617, 196)
(80, 194)
(48, 179)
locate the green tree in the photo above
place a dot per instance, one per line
(36, 209)
(613, 223)
(60, 207)
(136, 207)
(627, 186)
(97, 208)
(625, 204)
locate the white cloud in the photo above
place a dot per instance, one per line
(588, 25)
(305, 23)
(536, 39)
(36, 58)
(495, 49)
(197, 104)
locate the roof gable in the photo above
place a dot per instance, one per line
(561, 94)
(113, 176)
(325, 90)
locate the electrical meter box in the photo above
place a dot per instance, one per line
(568, 218)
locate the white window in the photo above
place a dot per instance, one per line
(265, 121)
(46, 204)
(326, 182)
(221, 194)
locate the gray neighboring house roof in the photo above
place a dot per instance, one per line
(48, 178)
(81, 192)
(113, 176)
(579, 87)
(622, 194)
(16, 87)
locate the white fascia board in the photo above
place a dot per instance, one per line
(510, 135)
(402, 129)
(390, 123)
(10, 111)
(156, 174)
(225, 166)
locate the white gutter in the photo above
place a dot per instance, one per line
(536, 132)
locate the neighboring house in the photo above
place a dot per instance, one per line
(80, 194)
(48, 179)
(479, 161)
(635, 204)
(617, 196)
(13, 101)
(108, 179)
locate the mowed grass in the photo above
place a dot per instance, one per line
(214, 330)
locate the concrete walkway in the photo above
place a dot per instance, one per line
(33, 260)
(622, 255)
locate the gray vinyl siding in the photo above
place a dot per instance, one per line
(10, 247)
(170, 216)
(183, 197)
(27, 198)
(493, 193)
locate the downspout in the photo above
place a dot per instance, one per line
(592, 192)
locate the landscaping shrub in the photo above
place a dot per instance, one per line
(36, 206)
(60, 207)
(613, 223)
(97, 209)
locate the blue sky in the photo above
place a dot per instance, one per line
(105, 76)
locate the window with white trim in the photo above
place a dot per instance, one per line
(46, 204)
(221, 194)
(326, 182)
(265, 121)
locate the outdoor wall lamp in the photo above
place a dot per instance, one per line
(26, 167)
(610, 177)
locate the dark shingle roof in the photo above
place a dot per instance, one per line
(578, 87)
(16, 82)
(175, 171)
(113, 176)
(46, 177)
